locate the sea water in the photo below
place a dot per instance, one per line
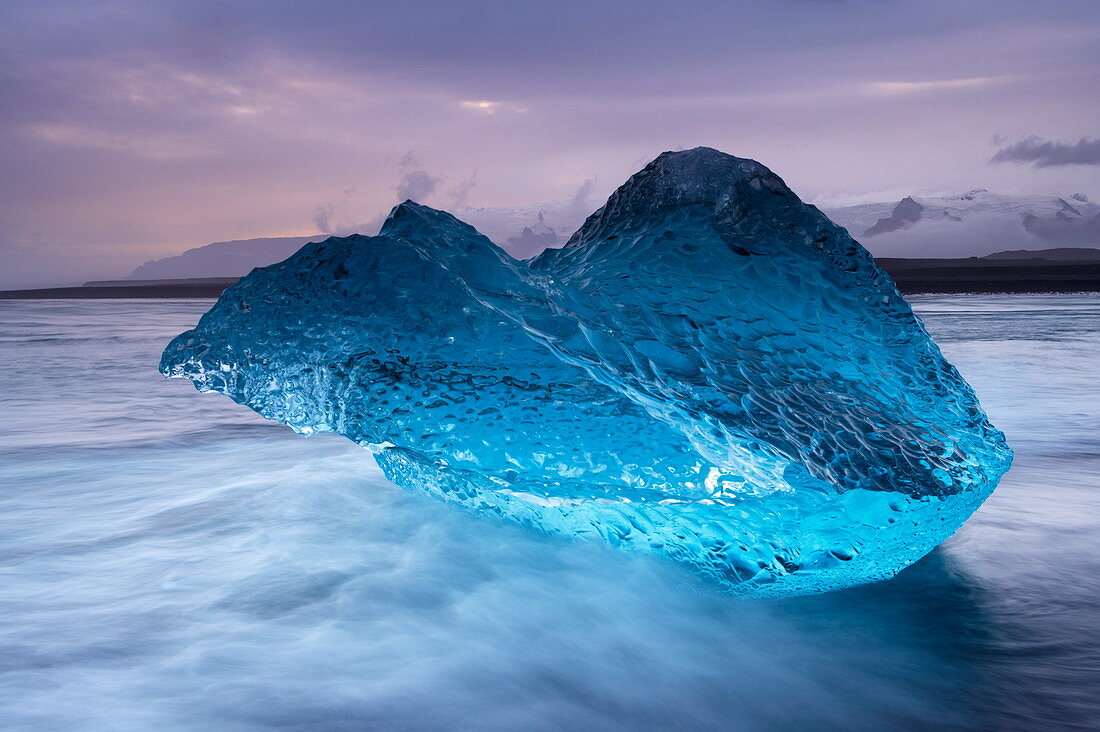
(170, 560)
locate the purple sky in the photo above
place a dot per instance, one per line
(134, 130)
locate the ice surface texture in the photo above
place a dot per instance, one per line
(710, 369)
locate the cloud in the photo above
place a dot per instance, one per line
(322, 215)
(1069, 231)
(416, 185)
(487, 107)
(367, 228)
(157, 146)
(1047, 153)
(460, 195)
(916, 87)
(580, 202)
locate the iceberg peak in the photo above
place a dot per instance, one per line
(700, 182)
(411, 214)
(710, 370)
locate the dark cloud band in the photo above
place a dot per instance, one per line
(1042, 153)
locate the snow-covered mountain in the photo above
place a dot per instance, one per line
(524, 231)
(976, 223)
(970, 224)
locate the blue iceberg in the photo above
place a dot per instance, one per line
(709, 369)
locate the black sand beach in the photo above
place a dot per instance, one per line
(913, 276)
(992, 276)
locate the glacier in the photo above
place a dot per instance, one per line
(709, 370)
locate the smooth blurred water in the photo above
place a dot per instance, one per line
(169, 560)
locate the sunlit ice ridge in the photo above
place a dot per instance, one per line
(708, 370)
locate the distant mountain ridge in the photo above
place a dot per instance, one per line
(975, 223)
(223, 258)
(522, 230)
(862, 219)
(907, 212)
(971, 224)
(1060, 254)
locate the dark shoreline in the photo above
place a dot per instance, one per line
(136, 292)
(985, 276)
(913, 277)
